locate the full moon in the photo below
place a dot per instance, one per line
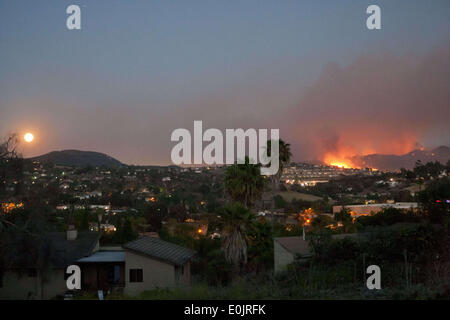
(28, 137)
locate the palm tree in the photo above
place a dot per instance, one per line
(260, 252)
(244, 182)
(284, 156)
(236, 220)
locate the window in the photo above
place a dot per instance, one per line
(114, 274)
(136, 275)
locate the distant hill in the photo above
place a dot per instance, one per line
(77, 158)
(407, 161)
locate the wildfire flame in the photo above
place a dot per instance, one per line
(341, 162)
(339, 152)
(341, 165)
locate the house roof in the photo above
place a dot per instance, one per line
(295, 245)
(161, 250)
(104, 256)
(55, 249)
(67, 252)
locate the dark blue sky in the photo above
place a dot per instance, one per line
(139, 69)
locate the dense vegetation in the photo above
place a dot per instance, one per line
(412, 248)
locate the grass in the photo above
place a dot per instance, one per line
(245, 292)
(295, 287)
(289, 195)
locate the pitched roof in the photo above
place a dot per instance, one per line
(56, 250)
(104, 256)
(161, 250)
(66, 252)
(295, 245)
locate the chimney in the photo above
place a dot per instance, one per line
(72, 232)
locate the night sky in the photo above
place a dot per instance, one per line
(137, 70)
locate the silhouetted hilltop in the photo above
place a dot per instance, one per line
(407, 161)
(78, 158)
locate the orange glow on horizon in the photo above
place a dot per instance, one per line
(355, 142)
(339, 161)
(341, 165)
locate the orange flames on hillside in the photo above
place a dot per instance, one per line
(341, 164)
(338, 161)
(345, 155)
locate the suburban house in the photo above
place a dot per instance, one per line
(152, 262)
(139, 265)
(49, 281)
(288, 249)
(103, 270)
